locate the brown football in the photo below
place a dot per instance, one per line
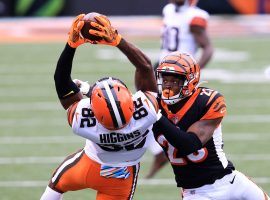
(90, 17)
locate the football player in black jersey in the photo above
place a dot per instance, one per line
(189, 131)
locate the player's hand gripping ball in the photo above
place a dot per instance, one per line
(88, 18)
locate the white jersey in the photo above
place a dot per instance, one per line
(117, 148)
(176, 35)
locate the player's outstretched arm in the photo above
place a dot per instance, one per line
(66, 89)
(144, 75)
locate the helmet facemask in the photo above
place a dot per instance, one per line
(168, 95)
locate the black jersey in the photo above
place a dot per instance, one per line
(209, 163)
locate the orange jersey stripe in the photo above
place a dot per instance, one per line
(71, 112)
(198, 21)
(179, 115)
(217, 109)
(211, 97)
(152, 99)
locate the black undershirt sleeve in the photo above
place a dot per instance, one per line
(64, 85)
(185, 142)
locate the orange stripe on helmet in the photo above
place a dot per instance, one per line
(112, 103)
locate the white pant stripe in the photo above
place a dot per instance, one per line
(66, 163)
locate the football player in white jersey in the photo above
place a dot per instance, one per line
(184, 30)
(190, 133)
(115, 123)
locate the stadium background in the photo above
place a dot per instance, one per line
(34, 135)
(123, 7)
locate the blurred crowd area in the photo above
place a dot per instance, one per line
(10, 8)
(55, 29)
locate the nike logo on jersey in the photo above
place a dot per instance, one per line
(231, 182)
(71, 92)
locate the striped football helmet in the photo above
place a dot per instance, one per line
(184, 66)
(111, 103)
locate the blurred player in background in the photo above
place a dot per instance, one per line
(184, 30)
(115, 123)
(191, 136)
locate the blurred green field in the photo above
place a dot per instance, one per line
(35, 137)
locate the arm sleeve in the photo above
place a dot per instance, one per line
(64, 85)
(185, 142)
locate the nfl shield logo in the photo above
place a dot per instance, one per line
(174, 118)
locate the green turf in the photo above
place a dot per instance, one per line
(30, 107)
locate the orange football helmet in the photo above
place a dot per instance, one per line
(111, 103)
(186, 67)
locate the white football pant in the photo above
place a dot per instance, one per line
(234, 186)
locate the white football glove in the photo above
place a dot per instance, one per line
(83, 85)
